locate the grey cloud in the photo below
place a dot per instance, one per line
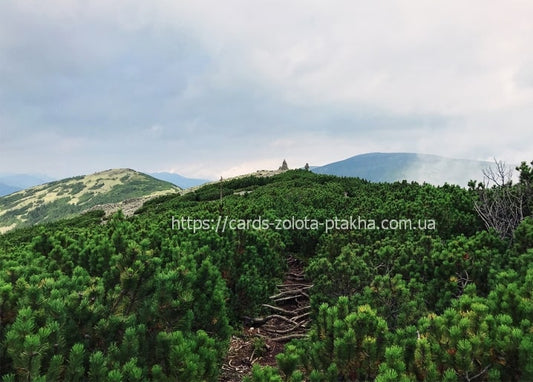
(159, 85)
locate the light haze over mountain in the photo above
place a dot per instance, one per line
(391, 167)
(10, 183)
(178, 180)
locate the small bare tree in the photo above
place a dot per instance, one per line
(499, 175)
(500, 204)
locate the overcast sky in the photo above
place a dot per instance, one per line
(217, 88)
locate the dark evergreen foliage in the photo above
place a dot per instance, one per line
(134, 299)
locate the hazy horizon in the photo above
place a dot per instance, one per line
(416, 174)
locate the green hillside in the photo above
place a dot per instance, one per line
(68, 197)
(184, 290)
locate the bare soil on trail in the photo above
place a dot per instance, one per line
(262, 338)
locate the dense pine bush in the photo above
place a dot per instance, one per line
(134, 299)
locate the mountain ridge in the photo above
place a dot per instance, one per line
(399, 166)
(128, 189)
(71, 196)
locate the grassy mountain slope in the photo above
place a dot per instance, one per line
(391, 167)
(67, 197)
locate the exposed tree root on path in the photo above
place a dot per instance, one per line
(264, 337)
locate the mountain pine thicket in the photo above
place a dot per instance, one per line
(137, 299)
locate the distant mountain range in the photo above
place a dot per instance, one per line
(6, 189)
(391, 167)
(127, 189)
(60, 199)
(178, 180)
(10, 183)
